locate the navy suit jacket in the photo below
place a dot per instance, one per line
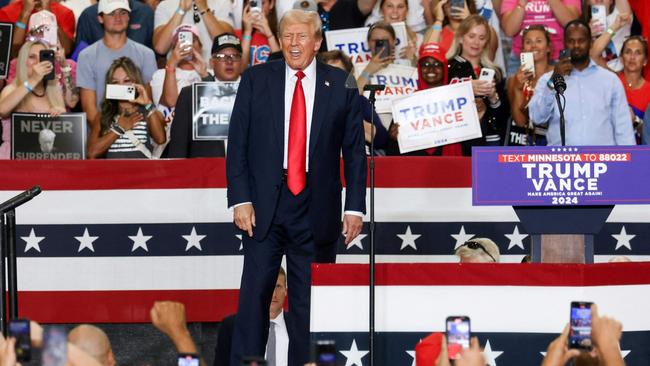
(256, 148)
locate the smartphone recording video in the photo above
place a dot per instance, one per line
(188, 359)
(47, 55)
(325, 353)
(382, 47)
(19, 329)
(458, 335)
(580, 331)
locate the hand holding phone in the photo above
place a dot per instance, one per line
(382, 47)
(19, 329)
(458, 335)
(120, 92)
(528, 62)
(580, 325)
(599, 16)
(487, 74)
(47, 55)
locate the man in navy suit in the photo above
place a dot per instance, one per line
(290, 123)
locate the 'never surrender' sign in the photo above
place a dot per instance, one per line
(560, 176)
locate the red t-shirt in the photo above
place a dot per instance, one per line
(64, 16)
(260, 48)
(638, 99)
(446, 38)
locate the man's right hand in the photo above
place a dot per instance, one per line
(244, 217)
(563, 66)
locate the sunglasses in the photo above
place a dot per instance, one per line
(475, 245)
(220, 57)
(197, 16)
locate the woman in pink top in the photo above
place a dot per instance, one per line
(517, 15)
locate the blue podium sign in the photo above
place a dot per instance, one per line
(561, 176)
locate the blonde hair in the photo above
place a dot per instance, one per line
(456, 48)
(297, 16)
(486, 248)
(53, 91)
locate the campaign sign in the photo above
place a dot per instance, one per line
(436, 117)
(560, 176)
(6, 34)
(41, 136)
(354, 41)
(400, 82)
(212, 104)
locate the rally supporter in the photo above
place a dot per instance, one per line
(340, 14)
(258, 33)
(211, 17)
(395, 11)
(418, 16)
(516, 15)
(521, 86)
(90, 30)
(606, 50)
(478, 250)
(95, 59)
(469, 54)
(432, 72)
(338, 58)
(27, 92)
(184, 67)
(123, 129)
(448, 19)
(18, 12)
(596, 110)
(93, 341)
(637, 90)
(226, 63)
(380, 31)
(65, 70)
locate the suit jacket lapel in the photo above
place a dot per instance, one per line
(276, 87)
(321, 102)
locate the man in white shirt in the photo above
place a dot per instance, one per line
(278, 334)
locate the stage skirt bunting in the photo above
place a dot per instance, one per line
(107, 238)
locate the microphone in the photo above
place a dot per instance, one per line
(374, 87)
(558, 83)
(21, 198)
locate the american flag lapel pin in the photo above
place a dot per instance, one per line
(327, 83)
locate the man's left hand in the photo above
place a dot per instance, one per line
(352, 226)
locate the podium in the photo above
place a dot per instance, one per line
(562, 195)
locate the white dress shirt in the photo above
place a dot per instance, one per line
(281, 341)
(309, 88)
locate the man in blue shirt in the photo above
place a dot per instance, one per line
(596, 111)
(90, 30)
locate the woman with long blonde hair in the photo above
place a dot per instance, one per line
(468, 55)
(29, 93)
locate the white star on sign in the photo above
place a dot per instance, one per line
(193, 240)
(461, 237)
(86, 241)
(356, 242)
(32, 241)
(241, 245)
(490, 355)
(412, 354)
(140, 240)
(353, 355)
(516, 239)
(408, 239)
(623, 239)
(625, 352)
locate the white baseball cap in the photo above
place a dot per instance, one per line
(109, 6)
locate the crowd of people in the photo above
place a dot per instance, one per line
(602, 58)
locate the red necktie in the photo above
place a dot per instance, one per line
(296, 155)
